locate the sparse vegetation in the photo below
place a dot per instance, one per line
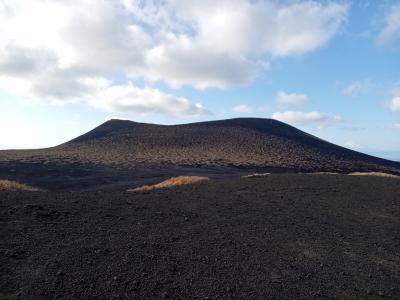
(325, 173)
(176, 181)
(256, 175)
(235, 143)
(10, 185)
(379, 174)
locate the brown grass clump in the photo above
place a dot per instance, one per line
(175, 181)
(325, 173)
(257, 175)
(9, 185)
(380, 174)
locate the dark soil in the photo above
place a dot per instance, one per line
(86, 177)
(280, 237)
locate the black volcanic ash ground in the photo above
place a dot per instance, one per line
(283, 236)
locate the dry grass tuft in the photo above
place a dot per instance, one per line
(325, 173)
(175, 181)
(257, 175)
(380, 174)
(9, 185)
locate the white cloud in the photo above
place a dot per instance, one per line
(356, 88)
(128, 98)
(306, 118)
(394, 104)
(261, 26)
(297, 117)
(182, 62)
(56, 86)
(350, 144)
(284, 99)
(245, 108)
(395, 126)
(391, 31)
(51, 47)
(17, 61)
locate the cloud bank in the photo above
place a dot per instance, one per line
(306, 118)
(63, 51)
(144, 101)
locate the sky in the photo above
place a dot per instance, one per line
(330, 68)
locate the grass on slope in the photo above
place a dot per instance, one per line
(175, 181)
(257, 175)
(9, 185)
(379, 174)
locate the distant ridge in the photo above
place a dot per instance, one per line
(241, 142)
(262, 125)
(234, 143)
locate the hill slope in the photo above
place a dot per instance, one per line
(243, 143)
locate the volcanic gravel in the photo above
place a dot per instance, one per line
(280, 237)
